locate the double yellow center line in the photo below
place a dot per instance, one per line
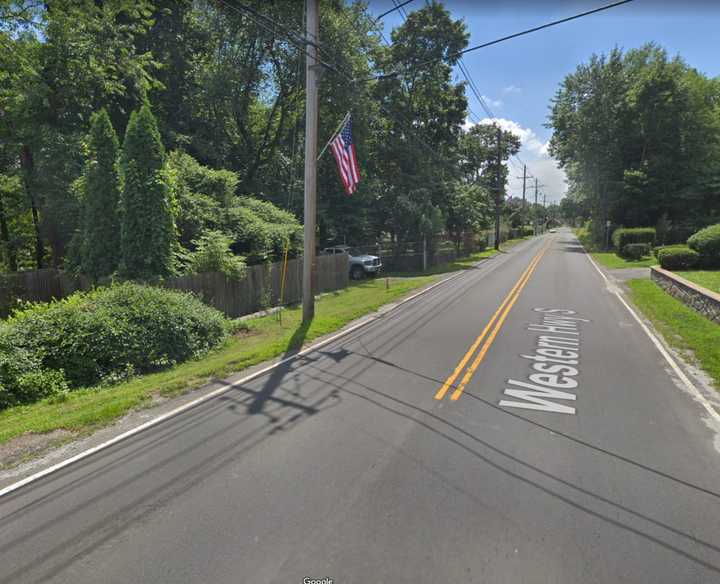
(495, 323)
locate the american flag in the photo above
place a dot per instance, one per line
(344, 151)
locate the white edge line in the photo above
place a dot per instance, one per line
(659, 346)
(155, 421)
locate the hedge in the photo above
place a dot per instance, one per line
(101, 337)
(624, 236)
(678, 258)
(707, 243)
(636, 251)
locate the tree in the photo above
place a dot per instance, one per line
(423, 113)
(101, 221)
(639, 136)
(148, 228)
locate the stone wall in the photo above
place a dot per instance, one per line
(704, 301)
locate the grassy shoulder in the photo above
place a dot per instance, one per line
(264, 338)
(612, 261)
(709, 279)
(682, 327)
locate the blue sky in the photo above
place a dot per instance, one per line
(520, 76)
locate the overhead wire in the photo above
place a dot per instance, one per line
(266, 23)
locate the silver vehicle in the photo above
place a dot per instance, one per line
(360, 264)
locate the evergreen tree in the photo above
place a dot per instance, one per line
(101, 228)
(148, 230)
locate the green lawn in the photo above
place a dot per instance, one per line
(681, 326)
(709, 279)
(264, 338)
(613, 261)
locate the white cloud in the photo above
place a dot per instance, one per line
(512, 89)
(534, 152)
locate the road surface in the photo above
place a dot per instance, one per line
(512, 425)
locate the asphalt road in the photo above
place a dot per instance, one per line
(353, 463)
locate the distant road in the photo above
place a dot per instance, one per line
(513, 425)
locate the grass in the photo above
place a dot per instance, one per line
(709, 279)
(682, 327)
(264, 338)
(613, 261)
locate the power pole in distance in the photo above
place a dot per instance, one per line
(312, 74)
(524, 208)
(498, 191)
(524, 177)
(537, 186)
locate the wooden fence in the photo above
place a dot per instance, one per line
(259, 289)
(261, 286)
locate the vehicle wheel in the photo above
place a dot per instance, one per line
(357, 273)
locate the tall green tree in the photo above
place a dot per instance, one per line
(423, 116)
(638, 134)
(148, 227)
(101, 228)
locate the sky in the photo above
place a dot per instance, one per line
(518, 78)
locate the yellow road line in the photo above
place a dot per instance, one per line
(454, 375)
(481, 355)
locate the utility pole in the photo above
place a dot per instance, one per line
(535, 208)
(537, 186)
(524, 207)
(498, 192)
(312, 74)
(524, 177)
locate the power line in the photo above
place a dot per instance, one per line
(514, 35)
(397, 7)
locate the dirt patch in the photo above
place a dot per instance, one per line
(22, 448)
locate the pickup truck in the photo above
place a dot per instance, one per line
(360, 264)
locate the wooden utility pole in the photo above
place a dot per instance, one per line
(535, 208)
(524, 177)
(498, 191)
(524, 206)
(312, 73)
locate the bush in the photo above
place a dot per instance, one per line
(707, 243)
(526, 231)
(111, 332)
(624, 236)
(22, 376)
(656, 250)
(636, 251)
(678, 258)
(214, 255)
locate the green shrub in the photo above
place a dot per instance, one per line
(678, 258)
(108, 333)
(707, 243)
(213, 254)
(23, 379)
(656, 250)
(636, 251)
(624, 236)
(526, 231)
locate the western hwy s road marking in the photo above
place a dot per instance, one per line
(499, 318)
(556, 360)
